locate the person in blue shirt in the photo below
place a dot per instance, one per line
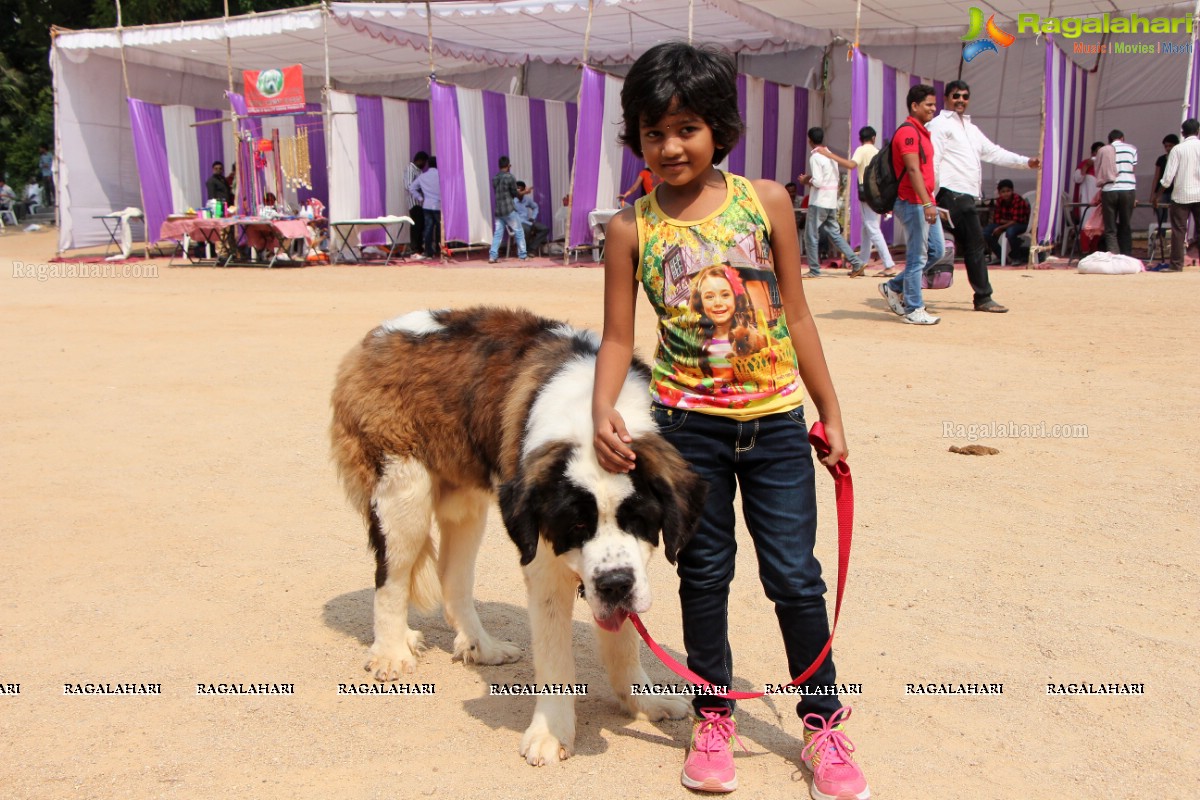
(527, 208)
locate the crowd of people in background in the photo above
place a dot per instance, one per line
(37, 194)
(938, 157)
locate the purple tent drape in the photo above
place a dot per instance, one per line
(859, 77)
(736, 160)
(591, 106)
(372, 165)
(799, 134)
(208, 143)
(631, 165)
(419, 137)
(312, 122)
(770, 143)
(150, 151)
(455, 223)
(540, 169)
(1065, 92)
(495, 126)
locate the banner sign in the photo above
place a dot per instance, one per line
(274, 91)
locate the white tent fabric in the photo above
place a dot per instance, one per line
(513, 47)
(343, 158)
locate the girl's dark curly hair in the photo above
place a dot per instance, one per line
(702, 80)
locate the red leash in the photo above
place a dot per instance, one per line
(844, 492)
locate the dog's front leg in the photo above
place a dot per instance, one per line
(550, 737)
(622, 658)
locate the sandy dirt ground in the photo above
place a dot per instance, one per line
(170, 515)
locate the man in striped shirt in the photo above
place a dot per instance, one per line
(1183, 171)
(1114, 176)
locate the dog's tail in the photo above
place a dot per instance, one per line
(357, 468)
(424, 589)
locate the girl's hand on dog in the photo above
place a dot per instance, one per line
(612, 442)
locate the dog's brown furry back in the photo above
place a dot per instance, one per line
(491, 385)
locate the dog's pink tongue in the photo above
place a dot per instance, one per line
(613, 624)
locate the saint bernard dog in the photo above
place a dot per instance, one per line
(437, 412)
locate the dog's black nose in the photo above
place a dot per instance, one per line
(615, 586)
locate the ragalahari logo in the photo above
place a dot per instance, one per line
(979, 42)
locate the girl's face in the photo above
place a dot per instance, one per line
(716, 296)
(679, 147)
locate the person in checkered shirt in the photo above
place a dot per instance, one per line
(1010, 218)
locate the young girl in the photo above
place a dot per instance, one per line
(680, 114)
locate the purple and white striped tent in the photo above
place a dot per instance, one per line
(175, 147)
(1066, 107)
(372, 141)
(474, 128)
(773, 146)
(878, 98)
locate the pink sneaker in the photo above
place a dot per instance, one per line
(709, 765)
(827, 754)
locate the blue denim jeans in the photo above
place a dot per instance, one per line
(515, 230)
(771, 461)
(824, 220)
(924, 244)
(432, 232)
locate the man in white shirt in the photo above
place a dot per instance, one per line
(959, 147)
(527, 209)
(426, 191)
(822, 177)
(8, 198)
(1183, 172)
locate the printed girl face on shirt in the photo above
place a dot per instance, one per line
(717, 300)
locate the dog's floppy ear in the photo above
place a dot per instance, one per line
(518, 508)
(521, 498)
(678, 490)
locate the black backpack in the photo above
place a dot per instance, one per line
(880, 184)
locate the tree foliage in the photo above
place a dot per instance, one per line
(26, 94)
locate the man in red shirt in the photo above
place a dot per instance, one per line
(1010, 218)
(912, 159)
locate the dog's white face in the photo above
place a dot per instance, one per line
(604, 526)
(611, 563)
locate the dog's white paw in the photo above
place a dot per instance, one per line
(485, 650)
(390, 663)
(655, 708)
(541, 747)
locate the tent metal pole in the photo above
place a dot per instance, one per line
(228, 49)
(587, 34)
(691, 14)
(1035, 246)
(56, 170)
(429, 30)
(327, 120)
(125, 78)
(432, 78)
(1188, 111)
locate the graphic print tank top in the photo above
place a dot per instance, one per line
(723, 341)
